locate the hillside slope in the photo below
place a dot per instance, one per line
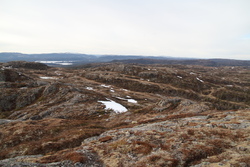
(159, 115)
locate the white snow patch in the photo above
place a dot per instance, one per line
(64, 63)
(125, 90)
(48, 78)
(89, 88)
(4, 67)
(179, 77)
(121, 98)
(192, 73)
(129, 100)
(118, 108)
(105, 86)
(112, 90)
(199, 79)
(132, 101)
(128, 96)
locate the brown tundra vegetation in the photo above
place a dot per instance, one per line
(165, 115)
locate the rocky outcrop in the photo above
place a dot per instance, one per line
(19, 99)
(7, 75)
(217, 139)
(27, 65)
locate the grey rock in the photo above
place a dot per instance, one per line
(4, 121)
(50, 89)
(36, 117)
(228, 118)
(165, 102)
(42, 83)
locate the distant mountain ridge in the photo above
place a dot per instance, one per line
(5, 57)
(75, 59)
(202, 62)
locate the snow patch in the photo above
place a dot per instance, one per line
(118, 108)
(199, 79)
(6, 67)
(132, 101)
(105, 86)
(89, 88)
(120, 98)
(48, 78)
(179, 77)
(64, 63)
(125, 90)
(192, 73)
(129, 100)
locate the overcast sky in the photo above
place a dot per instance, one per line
(183, 28)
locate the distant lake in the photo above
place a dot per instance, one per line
(64, 63)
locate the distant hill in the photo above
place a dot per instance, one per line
(203, 62)
(75, 59)
(57, 59)
(6, 57)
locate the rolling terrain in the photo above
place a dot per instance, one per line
(122, 114)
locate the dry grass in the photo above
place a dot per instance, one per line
(193, 154)
(75, 157)
(44, 136)
(65, 155)
(117, 144)
(142, 147)
(242, 161)
(157, 160)
(106, 138)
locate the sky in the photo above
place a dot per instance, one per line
(178, 28)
